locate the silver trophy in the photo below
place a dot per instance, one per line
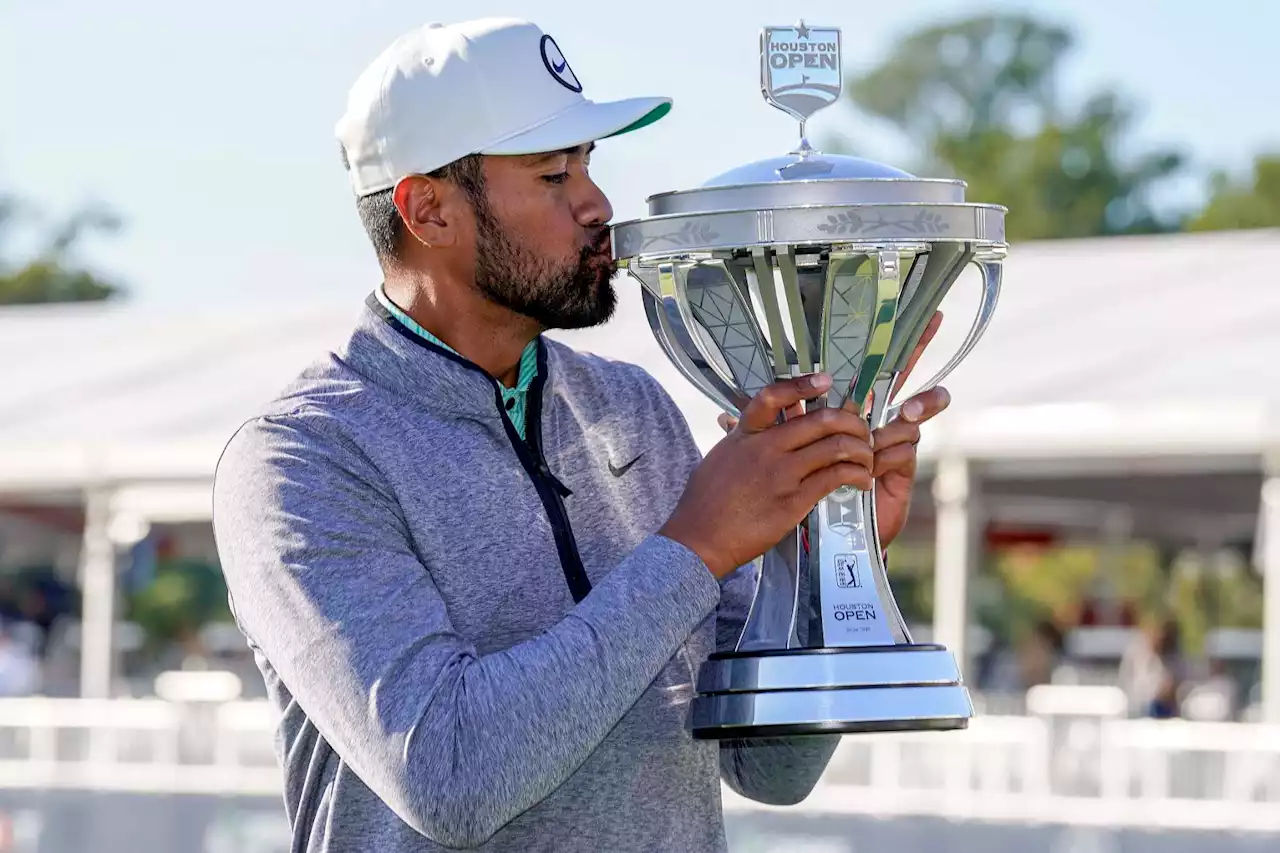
(783, 267)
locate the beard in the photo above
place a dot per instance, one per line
(573, 294)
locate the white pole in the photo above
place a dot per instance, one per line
(955, 542)
(98, 598)
(1269, 513)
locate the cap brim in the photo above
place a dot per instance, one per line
(582, 123)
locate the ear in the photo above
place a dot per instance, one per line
(426, 207)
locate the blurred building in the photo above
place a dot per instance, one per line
(1109, 465)
(1097, 514)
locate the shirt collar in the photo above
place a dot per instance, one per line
(527, 372)
(391, 355)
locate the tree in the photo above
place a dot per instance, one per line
(980, 98)
(51, 275)
(184, 596)
(1254, 203)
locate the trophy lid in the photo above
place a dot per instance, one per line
(800, 74)
(806, 197)
(804, 179)
(805, 166)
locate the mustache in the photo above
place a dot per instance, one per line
(600, 244)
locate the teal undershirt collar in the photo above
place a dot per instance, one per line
(513, 399)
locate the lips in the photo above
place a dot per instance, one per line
(601, 248)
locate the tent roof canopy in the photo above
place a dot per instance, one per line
(1120, 347)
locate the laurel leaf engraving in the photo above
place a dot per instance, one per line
(692, 233)
(845, 222)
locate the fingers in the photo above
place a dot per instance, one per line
(905, 429)
(925, 405)
(833, 450)
(824, 481)
(932, 329)
(894, 433)
(819, 424)
(763, 410)
(851, 405)
(727, 421)
(900, 458)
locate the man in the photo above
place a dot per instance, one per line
(478, 569)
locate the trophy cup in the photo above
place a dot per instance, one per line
(787, 266)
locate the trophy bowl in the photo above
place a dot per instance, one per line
(791, 265)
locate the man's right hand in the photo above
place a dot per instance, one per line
(763, 478)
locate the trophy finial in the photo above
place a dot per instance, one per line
(800, 72)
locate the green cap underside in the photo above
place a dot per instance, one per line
(645, 120)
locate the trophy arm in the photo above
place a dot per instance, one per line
(888, 288)
(673, 289)
(720, 306)
(992, 271)
(670, 334)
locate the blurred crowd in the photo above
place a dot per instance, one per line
(173, 614)
(34, 607)
(1159, 678)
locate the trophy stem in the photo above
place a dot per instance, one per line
(852, 603)
(771, 620)
(880, 409)
(804, 149)
(880, 571)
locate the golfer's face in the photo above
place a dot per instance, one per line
(549, 205)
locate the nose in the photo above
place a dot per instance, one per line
(592, 207)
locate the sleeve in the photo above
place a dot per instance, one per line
(325, 583)
(776, 771)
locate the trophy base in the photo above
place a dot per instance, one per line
(788, 692)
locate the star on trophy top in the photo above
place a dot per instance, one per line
(800, 71)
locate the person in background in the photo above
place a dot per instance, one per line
(19, 668)
(1150, 670)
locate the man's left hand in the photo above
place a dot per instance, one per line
(895, 445)
(895, 466)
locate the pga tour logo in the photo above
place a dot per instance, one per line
(801, 68)
(847, 576)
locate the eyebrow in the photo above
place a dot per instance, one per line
(584, 150)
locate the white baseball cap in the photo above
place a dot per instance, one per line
(488, 86)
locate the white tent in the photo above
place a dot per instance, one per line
(1110, 359)
(1122, 346)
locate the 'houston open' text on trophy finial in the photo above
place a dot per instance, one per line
(787, 266)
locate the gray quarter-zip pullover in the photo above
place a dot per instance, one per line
(476, 641)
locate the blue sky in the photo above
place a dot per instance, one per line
(209, 127)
